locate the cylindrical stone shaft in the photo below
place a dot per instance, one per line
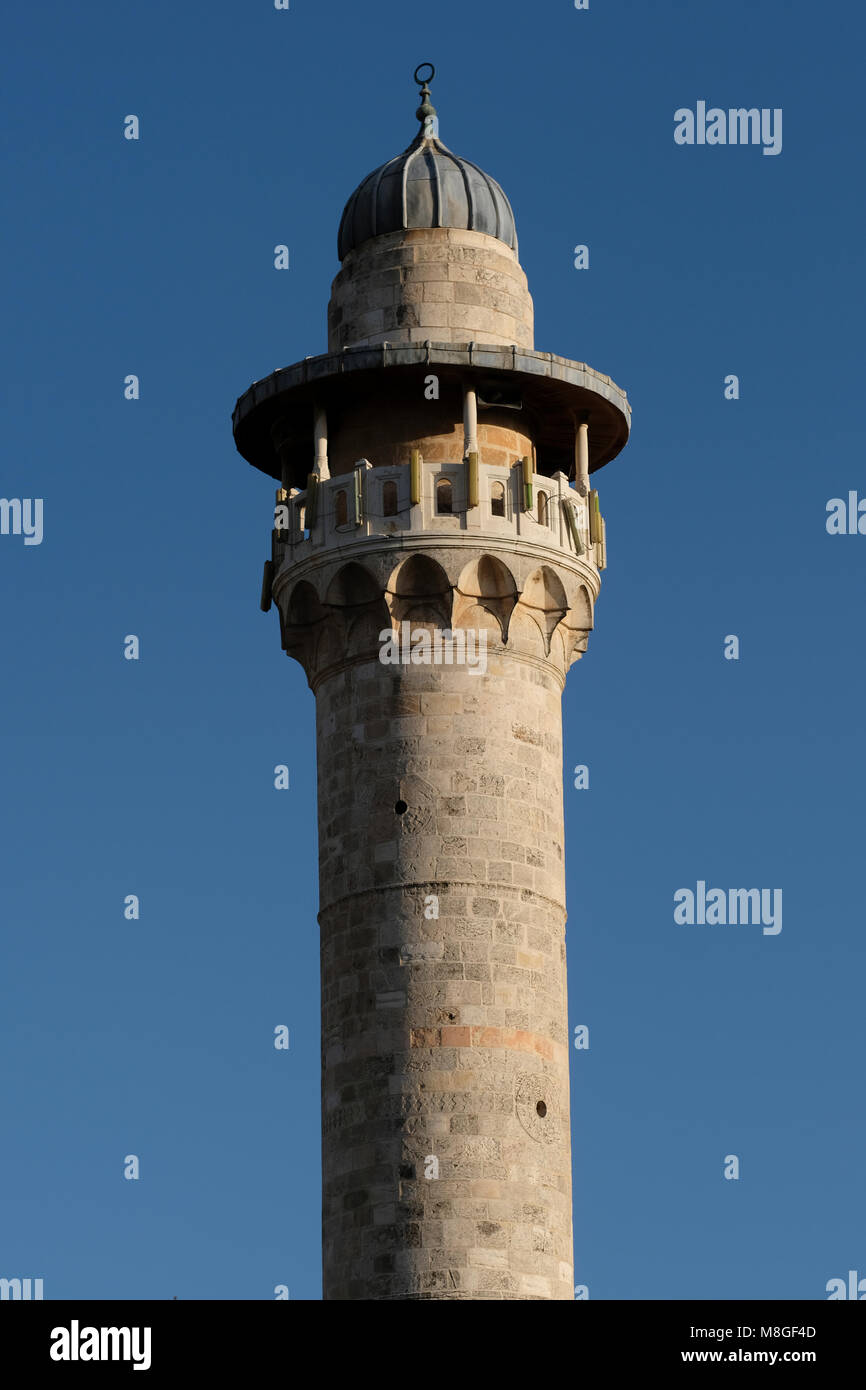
(446, 1153)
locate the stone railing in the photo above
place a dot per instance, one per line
(378, 502)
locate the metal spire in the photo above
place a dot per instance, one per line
(426, 112)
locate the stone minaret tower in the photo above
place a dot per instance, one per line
(435, 563)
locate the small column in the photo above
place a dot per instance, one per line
(320, 436)
(470, 422)
(470, 446)
(581, 455)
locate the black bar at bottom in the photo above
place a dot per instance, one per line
(210, 1340)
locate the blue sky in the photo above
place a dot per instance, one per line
(156, 777)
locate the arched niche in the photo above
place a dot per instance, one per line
(352, 587)
(301, 620)
(419, 591)
(485, 596)
(577, 626)
(359, 614)
(304, 607)
(543, 602)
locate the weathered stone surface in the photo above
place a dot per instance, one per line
(446, 267)
(444, 1032)
(445, 1048)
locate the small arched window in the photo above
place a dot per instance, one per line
(389, 499)
(497, 499)
(444, 496)
(542, 509)
(340, 517)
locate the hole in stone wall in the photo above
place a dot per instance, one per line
(541, 1109)
(401, 807)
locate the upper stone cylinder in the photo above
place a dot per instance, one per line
(429, 251)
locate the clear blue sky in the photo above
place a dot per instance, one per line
(156, 777)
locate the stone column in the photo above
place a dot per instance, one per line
(445, 1098)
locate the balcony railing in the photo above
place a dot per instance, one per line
(434, 498)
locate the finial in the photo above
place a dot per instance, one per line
(426, 112)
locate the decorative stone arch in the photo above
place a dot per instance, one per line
(573, 633)
(358, 607)
(302, 620)
(543, 604)
(582, 609)
(485, 596)
(419, 591)
(352, 586)
(304, 607)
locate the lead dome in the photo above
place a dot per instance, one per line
(426, 186)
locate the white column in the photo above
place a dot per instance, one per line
(320, 432)
(581, 458)
(470, 421)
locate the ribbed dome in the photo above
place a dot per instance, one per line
(426, 186)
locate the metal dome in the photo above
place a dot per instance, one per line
(426, 186)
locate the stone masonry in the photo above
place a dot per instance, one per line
(438, 282)
(433, 475)
(444, 1021)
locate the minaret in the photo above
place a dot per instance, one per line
(435, 563)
